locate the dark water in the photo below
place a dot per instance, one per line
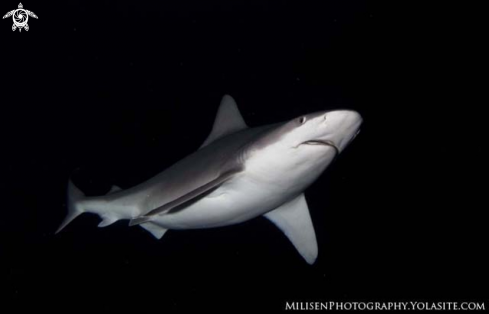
(123, 89)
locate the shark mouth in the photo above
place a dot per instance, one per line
(324, 143)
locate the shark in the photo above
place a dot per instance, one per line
(238, 173)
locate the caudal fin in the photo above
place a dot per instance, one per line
(74, 210)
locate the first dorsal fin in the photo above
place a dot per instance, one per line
(228, 120)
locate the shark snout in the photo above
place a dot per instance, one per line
(344, 117)
(344, 126)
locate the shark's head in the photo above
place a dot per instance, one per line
(333, 129)
(321, 131)
(300, 149)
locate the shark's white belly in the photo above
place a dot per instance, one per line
(251, 193)
(234, 202)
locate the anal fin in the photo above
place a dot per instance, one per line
(157, 231)
(107, 220)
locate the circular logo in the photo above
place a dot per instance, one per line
(20, 17)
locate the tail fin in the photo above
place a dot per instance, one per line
(74, 195)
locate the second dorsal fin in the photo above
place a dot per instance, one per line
(228, 120)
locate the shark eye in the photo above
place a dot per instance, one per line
(302, 120)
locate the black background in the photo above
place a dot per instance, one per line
(123, 89)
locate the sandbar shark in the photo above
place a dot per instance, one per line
(237, 174)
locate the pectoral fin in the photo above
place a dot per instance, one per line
(294, 220)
